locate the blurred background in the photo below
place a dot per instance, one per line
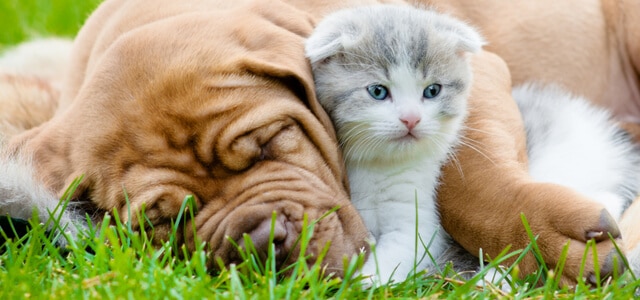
(22, 20)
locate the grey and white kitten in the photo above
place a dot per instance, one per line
(395, 82)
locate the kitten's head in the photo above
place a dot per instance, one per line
(394, 79)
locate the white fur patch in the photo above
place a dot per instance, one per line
(21, 194)
(575, 144)
(46, 58)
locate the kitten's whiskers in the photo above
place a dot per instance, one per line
(473, 145)
(484, 132)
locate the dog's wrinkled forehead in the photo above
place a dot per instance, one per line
(194, 58)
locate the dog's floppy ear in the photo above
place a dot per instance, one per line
(283, 58)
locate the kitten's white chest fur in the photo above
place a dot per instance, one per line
(387, 200)
(377, 192)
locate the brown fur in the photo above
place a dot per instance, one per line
(589, 47)
(31, 76)
(124, 107)
(26, 102)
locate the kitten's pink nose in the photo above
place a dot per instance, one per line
(410, 120)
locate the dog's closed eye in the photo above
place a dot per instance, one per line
(251, 147)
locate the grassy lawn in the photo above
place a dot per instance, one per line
(112, 261)
(26, 19)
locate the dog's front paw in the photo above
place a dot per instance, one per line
(561, 217)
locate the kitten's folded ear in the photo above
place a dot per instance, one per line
(325, 42)
(469, 40)
(330, 37)
(322, 45)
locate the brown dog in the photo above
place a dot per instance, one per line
(480, 205)
(197, 99)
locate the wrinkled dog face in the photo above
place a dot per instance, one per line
(164, 117)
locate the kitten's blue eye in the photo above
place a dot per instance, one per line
(432, 91)
(378, 91)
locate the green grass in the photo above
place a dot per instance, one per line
(22, 20)
(112, 261)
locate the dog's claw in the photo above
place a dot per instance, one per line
(609, 223)
(614, 263)
(594, 235)
(607, 226)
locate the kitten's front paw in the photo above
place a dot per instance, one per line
(496, 277)
(383, 271)
(369, 273)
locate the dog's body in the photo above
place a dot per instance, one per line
(138, 101)
(38, 102)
